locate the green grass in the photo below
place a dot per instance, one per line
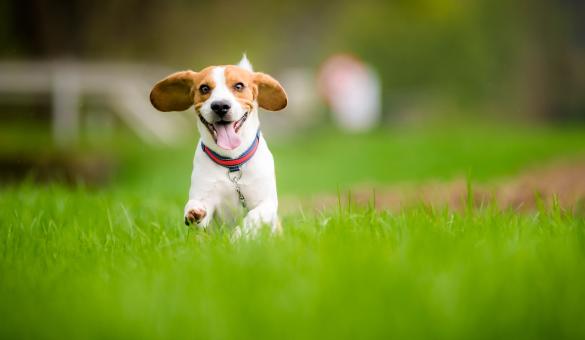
(325, 160)
(75, 265)
(117, 262)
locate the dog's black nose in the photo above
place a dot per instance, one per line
(221, 107)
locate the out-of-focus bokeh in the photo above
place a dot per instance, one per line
(75, 77)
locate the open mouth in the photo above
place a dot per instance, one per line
(224, 133)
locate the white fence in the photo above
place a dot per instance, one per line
(124, 87)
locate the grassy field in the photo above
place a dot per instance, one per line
(116, 262)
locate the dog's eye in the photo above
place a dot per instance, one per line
(204, 89)
(239, 86)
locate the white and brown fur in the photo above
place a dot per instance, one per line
(212, 194)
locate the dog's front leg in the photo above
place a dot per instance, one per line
(198, 212)
(263, 213)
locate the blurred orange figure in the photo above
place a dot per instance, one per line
(352, 90)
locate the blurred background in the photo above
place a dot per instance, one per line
(450, 87)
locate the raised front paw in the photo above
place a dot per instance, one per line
(195, 215)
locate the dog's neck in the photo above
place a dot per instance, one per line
(247, 135)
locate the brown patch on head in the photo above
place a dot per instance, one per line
(256, 86)
(204, 78)
(241, 82)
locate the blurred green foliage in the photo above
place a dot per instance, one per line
(525, 58)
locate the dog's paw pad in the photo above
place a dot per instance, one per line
(194, 216)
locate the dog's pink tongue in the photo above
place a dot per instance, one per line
(226, 136)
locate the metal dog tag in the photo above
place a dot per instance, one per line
(235, 177)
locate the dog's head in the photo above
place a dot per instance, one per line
(226, 98)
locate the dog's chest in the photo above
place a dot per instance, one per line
(220, 189)
(235, 194)
(246, 187)
(228, 204)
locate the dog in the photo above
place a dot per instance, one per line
(233, 169)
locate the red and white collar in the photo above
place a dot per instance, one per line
(233, 164)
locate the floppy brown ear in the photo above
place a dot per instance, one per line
(271, 95)
(174, 92)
